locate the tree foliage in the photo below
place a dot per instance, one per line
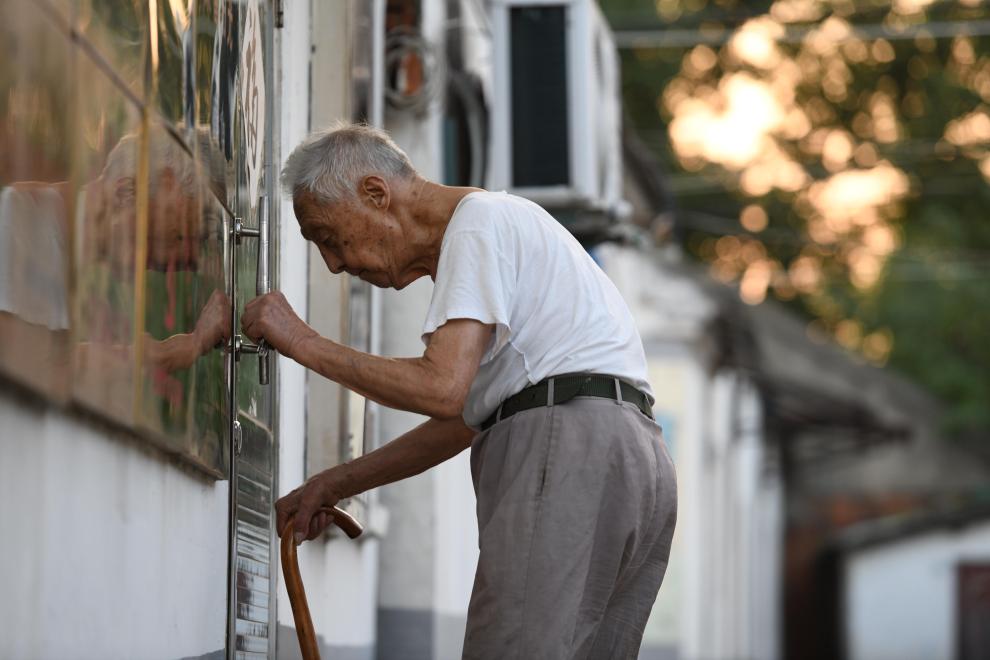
(836, 156)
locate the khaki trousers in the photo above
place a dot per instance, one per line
(576, 510)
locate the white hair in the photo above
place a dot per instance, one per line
(330, 163)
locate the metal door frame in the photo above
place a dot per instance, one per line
(241, 229)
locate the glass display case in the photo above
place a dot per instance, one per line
(136, 187)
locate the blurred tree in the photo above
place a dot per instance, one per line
(834, 155)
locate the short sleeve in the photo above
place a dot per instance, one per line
(474, 280)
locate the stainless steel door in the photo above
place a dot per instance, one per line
(243, 84)
(251, 570)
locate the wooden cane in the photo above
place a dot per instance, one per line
(294, 584)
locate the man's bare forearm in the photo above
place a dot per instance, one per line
(436, 384)
(427, 445)
(404, 383)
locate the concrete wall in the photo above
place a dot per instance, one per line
(340, 575)
(900, 597)
(110, 548)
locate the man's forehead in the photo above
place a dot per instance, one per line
(310, 214)
(303, 204)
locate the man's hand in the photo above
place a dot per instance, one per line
(429, 444)
(270, 317)
(322, 490)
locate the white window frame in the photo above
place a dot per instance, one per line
(582, 191)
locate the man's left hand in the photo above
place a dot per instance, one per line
(270, 317)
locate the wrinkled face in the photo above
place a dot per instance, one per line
(354, 237)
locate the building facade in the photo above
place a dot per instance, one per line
(143, 440)
(142, 445)
(916, 586)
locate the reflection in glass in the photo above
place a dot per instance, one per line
(167, 321)
(173, 63)
(107, 161)
(114, 217)
(187, 309)
(217, 54)
(113, 228)
(118, 30)
(35, 196)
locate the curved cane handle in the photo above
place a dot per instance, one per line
(345, 521)
(293, 580)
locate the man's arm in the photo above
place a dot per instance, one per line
(427, 445)
(435, 384)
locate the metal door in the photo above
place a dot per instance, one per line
(245, 88)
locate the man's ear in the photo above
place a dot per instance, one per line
(374, 189)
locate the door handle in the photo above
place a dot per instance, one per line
(262, 286)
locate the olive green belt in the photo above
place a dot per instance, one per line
(556, 390)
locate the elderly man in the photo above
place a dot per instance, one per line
(532, 359)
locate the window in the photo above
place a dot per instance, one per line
(540, 152)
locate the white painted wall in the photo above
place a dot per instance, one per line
(293, 46)
(108, 549)
(766, 535)
(742, 505)
(407, 564)
(341, 576)
(900, 597)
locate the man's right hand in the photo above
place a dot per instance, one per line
(305, 503)
(429, 444)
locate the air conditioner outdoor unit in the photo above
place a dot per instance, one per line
(556, 133)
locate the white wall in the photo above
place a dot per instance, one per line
(742, 505)
(108, 548)
(340, 575)
(900, 598)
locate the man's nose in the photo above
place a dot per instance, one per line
(336, 266)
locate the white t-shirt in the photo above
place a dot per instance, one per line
(505, 261)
